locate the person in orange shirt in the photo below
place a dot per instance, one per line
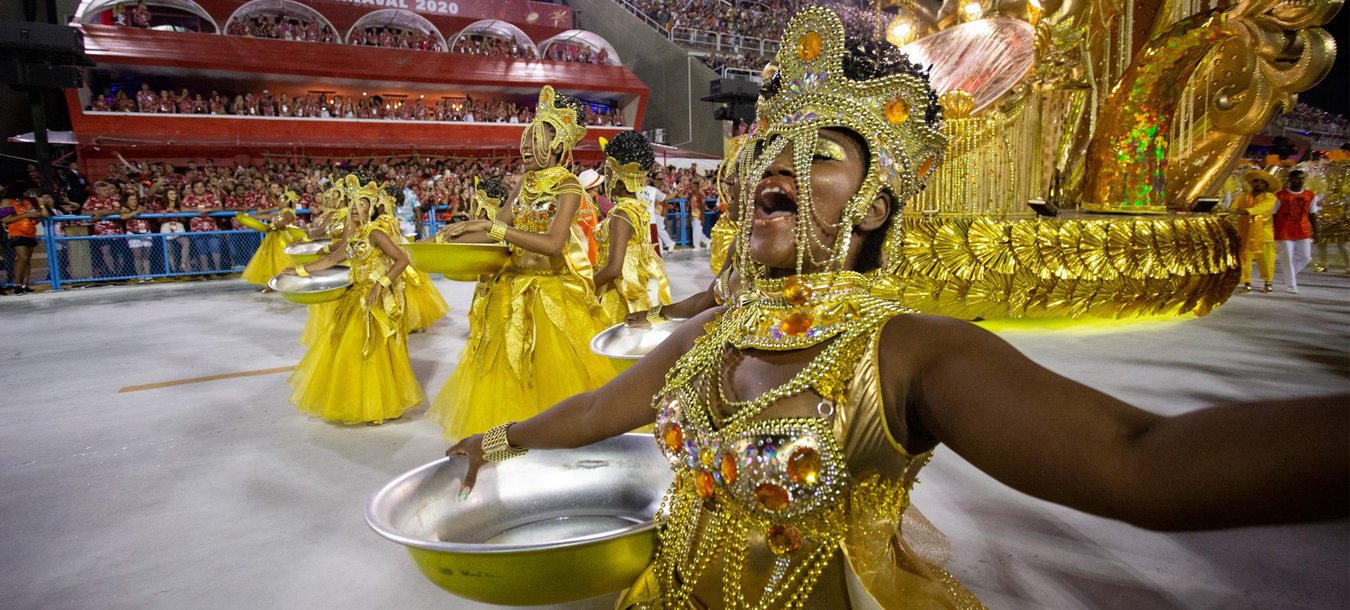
(1294, 227)
(588, 216)
(21, 224)
(1254, 209)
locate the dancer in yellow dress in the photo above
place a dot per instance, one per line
(529, 345)
(798, 421)
(425, 303)
(331, 224)
(270, 257)
(628, 264)
(357, 370)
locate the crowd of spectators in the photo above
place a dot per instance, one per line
(761, 19)
(281, 27)
(492, 46)
(751, 61)
(326, 106)
(389, 37)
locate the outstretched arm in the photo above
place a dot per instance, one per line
(622, 405)
(1061, 441)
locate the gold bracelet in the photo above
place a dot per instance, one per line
(495, 446)
(301, 271)
(384, 281)
(498, 232)
(654, 315)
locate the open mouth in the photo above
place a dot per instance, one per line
(775, 199)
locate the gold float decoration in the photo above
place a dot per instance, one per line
(1079, 267)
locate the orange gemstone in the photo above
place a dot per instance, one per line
(728, 468)
(796, 291)
(809, 46)
(925, 166)
(897, 111)
(798, 322)
(771, 496)
(673, 435)
(804, 466)
(783, 539)
(703, 482)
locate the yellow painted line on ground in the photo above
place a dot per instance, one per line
(167, 384)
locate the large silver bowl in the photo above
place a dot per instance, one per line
(307, 252)
(320, 287)
(547, 528)
(624, 344)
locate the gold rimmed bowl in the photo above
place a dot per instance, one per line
(549, 527)
(250, 221)
(320, 287)
(459, 262)
(623, 345)
(307, 252)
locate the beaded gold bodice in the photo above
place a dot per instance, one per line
(535, 209)
(769, 502)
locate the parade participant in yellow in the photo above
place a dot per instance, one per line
(724, 230)
(628, 262)
(1256, 227)
(331, 224)
(425, 303)
(270, 257)
(798, 421)
(529, 347)
(357, 370)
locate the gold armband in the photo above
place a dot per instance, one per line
(498, 232)
(384, 281)
(495, 446)
(654, 316)
(301, 271)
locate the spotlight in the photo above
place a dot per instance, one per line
(973, 11)
(900, 32)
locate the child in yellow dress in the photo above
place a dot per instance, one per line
(357, 370)
(529, 344)
(628, 264)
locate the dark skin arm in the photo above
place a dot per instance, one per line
(622, 405)
(1058, 440)
(687, 308)
(386, 245)
(551, 243)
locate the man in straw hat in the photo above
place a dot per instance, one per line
(1254, 209)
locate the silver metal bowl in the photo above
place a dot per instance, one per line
(547, 528)
(624, 345)
(320, 287)
(307, 252)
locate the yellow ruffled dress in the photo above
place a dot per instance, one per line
(334, 224)
(723, 233)
(641, 266)
(530, 327)
(270, 257)
(357, 369)
(425, 303)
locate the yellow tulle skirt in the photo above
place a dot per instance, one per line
(354, 374)
(269, 259)
(320, 320)
(425, 303)
(528, 349)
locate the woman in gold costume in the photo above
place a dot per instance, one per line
(797, 421)
(628, 263)
(270, 257)
(357, 369)
(529, 344)
(425, 303)
(331, 224)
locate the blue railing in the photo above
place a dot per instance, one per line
(74, 258)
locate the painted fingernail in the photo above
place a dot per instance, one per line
(464, 493)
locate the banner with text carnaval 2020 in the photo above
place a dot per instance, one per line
(514, 11)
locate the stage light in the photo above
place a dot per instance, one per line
(900, 32)
(973, 11)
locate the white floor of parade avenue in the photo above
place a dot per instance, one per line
(124, 487)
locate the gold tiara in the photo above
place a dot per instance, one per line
(566, 131)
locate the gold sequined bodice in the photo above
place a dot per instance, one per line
(762, 506)
(535, 210)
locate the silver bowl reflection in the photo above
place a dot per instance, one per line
(624, 345)
(320, 287)
(307, 252)
(547, 528)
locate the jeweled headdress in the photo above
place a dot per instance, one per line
(632, 174)
(566, 130)
(895, 112)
